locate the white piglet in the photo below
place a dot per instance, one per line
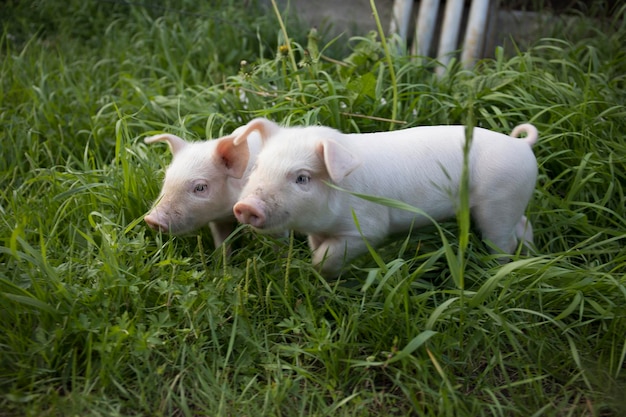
(201, 185)
(420, 166)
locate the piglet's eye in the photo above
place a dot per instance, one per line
(303, 179)
(200, 188)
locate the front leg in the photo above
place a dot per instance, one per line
(330, 252)
(221, 230)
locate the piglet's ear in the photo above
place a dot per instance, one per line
(234, 159)
(339, 161)
(176, 143)
(262, 125)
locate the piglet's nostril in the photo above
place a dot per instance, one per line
(238, 210)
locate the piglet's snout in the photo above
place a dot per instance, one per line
(155, 222)
(250, 211)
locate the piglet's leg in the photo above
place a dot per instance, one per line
(330, 253)
(221, 230)
(524, 233)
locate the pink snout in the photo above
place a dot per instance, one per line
(155, 222)
(250, 211)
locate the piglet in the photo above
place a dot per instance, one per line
(201, 185)
(421, 166)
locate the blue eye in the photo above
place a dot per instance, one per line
(303, 179)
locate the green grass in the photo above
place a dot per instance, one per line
(101, 316)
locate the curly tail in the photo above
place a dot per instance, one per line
(531, 133)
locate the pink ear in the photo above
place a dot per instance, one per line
(233, 158)
(339, 161)
(264, 126)
(176, 143)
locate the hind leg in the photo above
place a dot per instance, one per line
(503, 225)
(524, 232)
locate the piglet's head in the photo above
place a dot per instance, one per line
(201, 184)
(288, 188)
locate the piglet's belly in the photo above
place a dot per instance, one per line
(403, 220)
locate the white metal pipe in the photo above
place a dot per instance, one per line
(401, 18)
(425, 27)
(448, 42)
(475, 32)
